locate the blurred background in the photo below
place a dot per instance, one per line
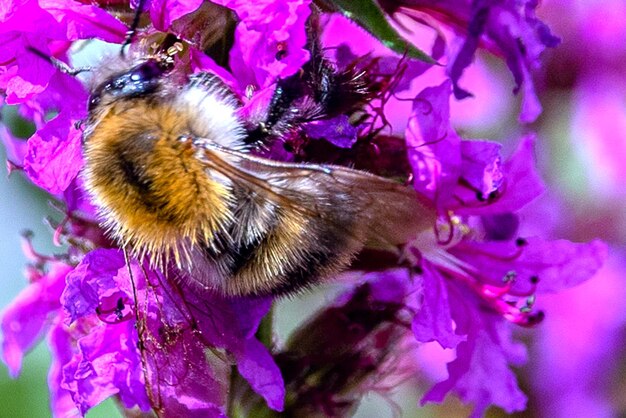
(578, 355)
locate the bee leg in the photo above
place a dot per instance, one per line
(319, 91)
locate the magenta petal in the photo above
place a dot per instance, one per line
(513, 28)
(462, 60)
(566, 264)
(522, 182)
(557, 265)
(60, 343)
(82, 21)
(9, 7)
(164, 12)
(227, 322)
(531, 106)
(480, 374)
(181, 376)
(269, 41)
(108, 363)
(522, 177)
(29, 17)
(389, 286)
(433, 321)
(27, 75)
(338, 131)
(232, 323)
(25, 319)
(434, 147)
(257, 366)
(54, 155)
(481, 165)
(93, 281)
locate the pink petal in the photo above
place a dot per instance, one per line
(433, 321)
(26, 318)
(54, 155)
(164, 12)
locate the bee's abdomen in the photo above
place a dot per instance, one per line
(289, 250)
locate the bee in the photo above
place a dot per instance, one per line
(169, 163)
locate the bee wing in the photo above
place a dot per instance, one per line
(394, 213)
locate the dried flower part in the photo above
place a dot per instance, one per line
(342, 351)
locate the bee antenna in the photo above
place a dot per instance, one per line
(132, 31)
(58, 64)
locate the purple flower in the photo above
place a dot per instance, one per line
(174, 333)
(509, 28)
(49, 26)
(337, 131)
(106, 363)
(269, 41)
(27, 319)
(571, 376)
(118, 328)
(95, 339)
(473, 285)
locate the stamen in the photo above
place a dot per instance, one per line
(514, 305)
(59, 231)
(11, 167)
(29, 250)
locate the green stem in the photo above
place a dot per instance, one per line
(265, 333)
(233, 411)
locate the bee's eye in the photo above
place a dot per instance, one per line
(94, 100)
(147, 71)
(138, 81)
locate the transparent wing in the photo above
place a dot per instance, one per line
(391, 212)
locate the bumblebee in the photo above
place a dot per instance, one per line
(171, 167)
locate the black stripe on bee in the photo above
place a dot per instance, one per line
(305, 273)
(134, 175)
(128, 155)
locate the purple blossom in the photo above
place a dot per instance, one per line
(572, 376)
(269, 41)
(119, 328)
(472, 286)
(338, 131)
(106, 363)
(509, 28)
(173, 351)
(27, 319)
(49, 26)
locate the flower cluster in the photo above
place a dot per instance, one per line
(118, 327)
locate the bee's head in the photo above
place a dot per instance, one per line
(140, 80)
